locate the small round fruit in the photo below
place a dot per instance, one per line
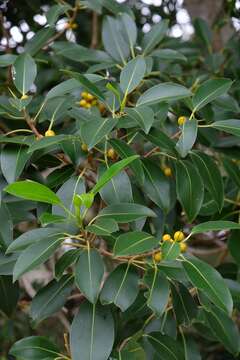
(94, 103)
(166, 237)
(183, 247)
(181, 120)
(179, 236)
(88, 106)
(157, 256)
(90, 97)
(49, 133)
(71, 25)
(83, 103)
(167, 171)
(24, 97)
(74, 26)
(101, 108)
(84, 147)
(111, 153)
(84, 95)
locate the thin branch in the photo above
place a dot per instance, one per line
(31, 124)
(94, 40)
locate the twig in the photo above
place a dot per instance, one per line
(94, 40)
(109, 254)
(31, 124)
(176, 135)
(28, 287)
(64, 320)
(149, 153)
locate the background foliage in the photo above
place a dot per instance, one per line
(119, 182)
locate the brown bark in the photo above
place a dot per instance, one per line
(211, 11)
(205, 9)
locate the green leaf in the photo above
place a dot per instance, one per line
(55, 11)
(74, 185)
(13, 161)
(20, 104)
(168, 55)
(51, 298)
(203, 31)
(190, 189)
(57, 107)
(7, 59)
(211, 176)
(6, 228)
(231, 126)
(128, 29)
(72, 148)
(92, 132)
(35, 255)
(143, 115)
(67, 259)
(59, 176)
(208, 280)
(92, 333)
(32, 190)
(191, 349)
(126, 212)
(185, 308)
(32, 236)
(163, 92)
(47, 218)
(132, 351)
(187, 138)
(234, 287)
(63, 88)
(24, 72)
(214, 226)
(125, 151)
(168, 347)
(224, 329)
(154, 36)
(157, 186)
(87, 84)
(227, 102)
(89, 271)
(159, 138)
(47, 142)
(113, 40)
(209, 91)
(115, 7)
(35, 348)
(118, 189)
(158, 293)
(233, 245)
(103, 227)
(80, 54)
(38, 41)
(84, 200)
(132, 74)
(9, 294)
(134, 243)
(121, 287)
(233, 170)
(170, 250)
(7, 263)
(111, 172)
(22, 140)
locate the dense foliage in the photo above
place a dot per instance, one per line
(122, 182)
